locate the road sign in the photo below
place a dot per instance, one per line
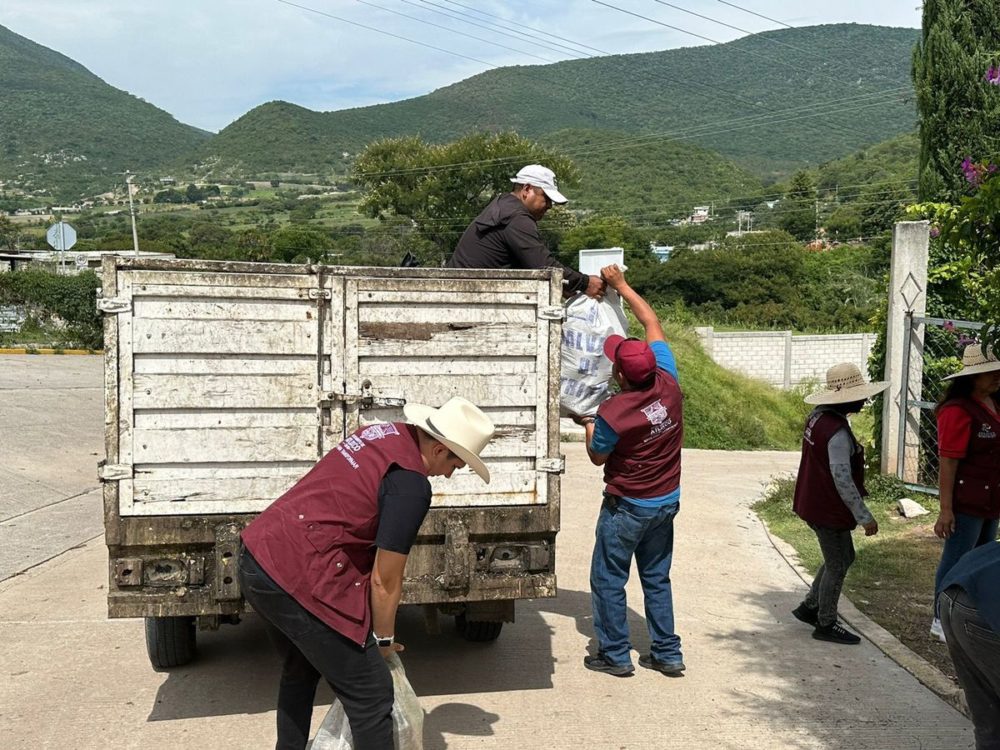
(81, 261)
(61, 236)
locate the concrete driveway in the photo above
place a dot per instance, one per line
(73, 679)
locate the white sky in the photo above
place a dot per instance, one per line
(208, 62)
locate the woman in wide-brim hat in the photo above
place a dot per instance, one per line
(829, 493)
(968, 425)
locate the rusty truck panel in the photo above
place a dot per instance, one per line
(225, 382)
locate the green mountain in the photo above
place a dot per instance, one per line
(893, 162)
(774, 102)
(650, 182)
(64, 130)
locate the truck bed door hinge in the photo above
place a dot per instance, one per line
(114, 472)
(555, 465)
(320, 294)
(114, 305)
(555, 312)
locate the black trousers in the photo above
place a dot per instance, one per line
(309, 649)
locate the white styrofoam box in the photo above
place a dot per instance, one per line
(592, 261)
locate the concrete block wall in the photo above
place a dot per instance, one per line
(782, 359)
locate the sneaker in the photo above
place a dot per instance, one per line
(808, 615)
(835, 633)
(669, 668)
(937, 631)
(600, 664)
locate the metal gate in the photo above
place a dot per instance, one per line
(933, 350)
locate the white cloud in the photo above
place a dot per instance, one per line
(207, 62)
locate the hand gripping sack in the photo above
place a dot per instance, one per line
(586, 372)
(407, 717)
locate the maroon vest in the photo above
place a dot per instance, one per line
(976, 492)
(317, 541)
(646, 460)
(816, 498)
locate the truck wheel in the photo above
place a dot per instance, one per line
(170, 641)
(478, 631)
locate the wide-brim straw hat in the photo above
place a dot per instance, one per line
(844, 384)
(975, 361)
(460, 425)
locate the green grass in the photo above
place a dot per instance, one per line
(724, 410)
(892, 579)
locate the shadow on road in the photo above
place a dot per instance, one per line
(237, 671)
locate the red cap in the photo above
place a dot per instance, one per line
(635, 360)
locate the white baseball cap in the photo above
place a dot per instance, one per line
(540, 177)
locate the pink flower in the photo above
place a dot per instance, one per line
(993, 75)
(935, 233)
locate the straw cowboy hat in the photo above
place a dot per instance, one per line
(975, 361)
(458, 424)
(844, 384)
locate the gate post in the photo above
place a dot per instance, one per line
(907, 294)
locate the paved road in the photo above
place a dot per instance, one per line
(71, 678)
(51, 438)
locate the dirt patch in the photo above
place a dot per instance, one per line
(893, 583)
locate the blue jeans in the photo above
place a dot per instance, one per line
(970, 532)
(623, 530)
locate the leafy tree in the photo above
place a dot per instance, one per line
(169, 196)
(9, 234)
(293, 244)
(844, 224)
(958, 113)
(797, 211)
(441, 188)
(193, 193)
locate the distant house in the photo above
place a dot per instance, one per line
(662, 252)
(168, 181)
(699, 215)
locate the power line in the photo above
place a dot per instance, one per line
(445, 28)
(696, 131)
(464, 18)
(759, 15)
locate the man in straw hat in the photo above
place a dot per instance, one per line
(969, 469)
(829, 492)
(637, 437)
(323, 565)
(505, 234)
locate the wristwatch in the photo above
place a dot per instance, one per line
(383, 641)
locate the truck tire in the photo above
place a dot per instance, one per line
(170, 641)
(478, 631)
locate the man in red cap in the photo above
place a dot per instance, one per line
(636, 436)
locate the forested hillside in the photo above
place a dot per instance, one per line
(657, 180)
(62, 128)
(774, 102)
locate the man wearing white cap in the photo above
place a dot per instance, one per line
(505, 234)
(323, 565)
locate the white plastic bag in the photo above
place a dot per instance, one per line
(407, 717)
(586, 372)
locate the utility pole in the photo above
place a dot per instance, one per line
(131, 210)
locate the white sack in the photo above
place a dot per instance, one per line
(586, 372)
(407, 717)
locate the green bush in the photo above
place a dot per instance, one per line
(64, 306)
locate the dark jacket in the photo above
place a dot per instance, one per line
(505, 235)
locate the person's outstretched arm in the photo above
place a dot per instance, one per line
(640, 308)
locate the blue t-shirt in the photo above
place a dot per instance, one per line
(605, 439)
